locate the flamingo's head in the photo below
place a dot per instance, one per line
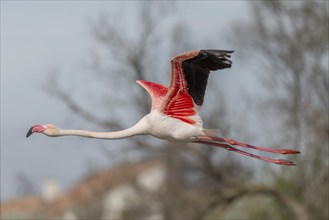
(49, 130)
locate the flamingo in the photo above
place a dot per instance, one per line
(174, 114)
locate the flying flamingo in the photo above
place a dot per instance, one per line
(174, 113)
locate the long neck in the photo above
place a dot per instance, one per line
(138, 129)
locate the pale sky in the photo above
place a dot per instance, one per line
(38, 36)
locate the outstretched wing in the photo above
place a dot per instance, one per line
(157, 92)
(189, 80)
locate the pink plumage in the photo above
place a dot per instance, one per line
(174, 112)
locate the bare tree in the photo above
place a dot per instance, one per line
(289, 44)
(124, 54)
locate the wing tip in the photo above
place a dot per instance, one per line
(222, 56)
(140, 81)
(217, 53)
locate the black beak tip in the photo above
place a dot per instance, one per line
(29, 132)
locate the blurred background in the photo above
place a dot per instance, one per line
(74, 64)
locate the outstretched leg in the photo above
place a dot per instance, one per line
(233, 142)
(230, 148)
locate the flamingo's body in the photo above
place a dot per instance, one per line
(174, 113)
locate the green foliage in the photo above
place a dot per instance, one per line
(256, 207)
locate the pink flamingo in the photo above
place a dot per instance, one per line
(174, 112)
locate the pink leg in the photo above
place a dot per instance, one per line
(233, 142)
(229, 148)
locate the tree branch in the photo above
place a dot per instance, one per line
(227, 200)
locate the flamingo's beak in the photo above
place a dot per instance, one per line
(36, 128)
(29, 132)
